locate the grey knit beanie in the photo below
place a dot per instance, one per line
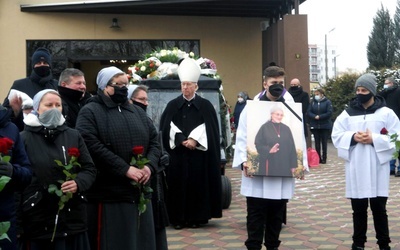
(105, 75)
(367, 81)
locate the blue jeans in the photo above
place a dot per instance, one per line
(393, 165)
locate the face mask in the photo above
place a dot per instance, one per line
(240, 99)
(364, 98)
(294, 87)
(42, 71)
(317, 97)
(144, 107)
(120, 95)
(385, 86)
(50, 118)
(276, 90)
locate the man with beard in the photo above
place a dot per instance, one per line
(41, 78)
(72, 89)
(299, 95)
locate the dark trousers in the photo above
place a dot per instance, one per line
(360, 220)
(264, 220)
(321, 138)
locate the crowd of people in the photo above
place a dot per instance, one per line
(79, 166)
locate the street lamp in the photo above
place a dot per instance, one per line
(326, 55)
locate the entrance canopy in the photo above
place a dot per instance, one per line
(269, 9)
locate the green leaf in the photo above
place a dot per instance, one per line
(73, 176)
(76, 164)
(6, 158)
(52, 188)
(3, 181)
(147, 189)
(59, 192)
(68, 167)
(64, 198)
(59, 163)
(66, 173)
(133, 161)
(4, 227)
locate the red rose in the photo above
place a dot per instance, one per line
(5, 145)
(138, 150)
(151, 65)
(74, 152)
(384, 131)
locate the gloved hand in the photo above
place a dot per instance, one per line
(6, 169)
(164, 159)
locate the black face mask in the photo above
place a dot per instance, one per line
(144, 107)
(364, 98)
(120, 95)
(276, 90)
(293, 88)
(42, 71)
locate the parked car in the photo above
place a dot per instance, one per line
(164, 91)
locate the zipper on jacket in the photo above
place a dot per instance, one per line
(65, 157)
(119, 108)
(31, 197)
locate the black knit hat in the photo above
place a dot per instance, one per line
(41, 54)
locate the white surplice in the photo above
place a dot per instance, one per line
(367, 166)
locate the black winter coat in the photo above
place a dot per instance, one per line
(392, 99)
(72, 102)
(39, 207)
(31, 86)
(324, 110)
(110, 132)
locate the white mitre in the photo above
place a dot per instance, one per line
(189, 70)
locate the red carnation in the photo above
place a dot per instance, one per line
(384, 131)
(138, 150)
(74, 152)
(5, 145)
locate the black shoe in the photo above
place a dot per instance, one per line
(323, 162)
(397, 174)
(354, 247)
(178, 226)
(392, 172)
(384, 248)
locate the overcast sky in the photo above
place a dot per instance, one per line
(352, 21)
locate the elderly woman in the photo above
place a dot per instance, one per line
(54, 210)
(275, 146)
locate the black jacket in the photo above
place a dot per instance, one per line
(110, 132)
(323, 108)
(392, 99)
(31, 86)
(72, 101)
(39, 207)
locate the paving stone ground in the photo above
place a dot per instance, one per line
(319, 216)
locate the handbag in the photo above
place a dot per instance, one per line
(313, 158)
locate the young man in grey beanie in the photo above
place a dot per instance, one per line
(40, 78)
(361, 136)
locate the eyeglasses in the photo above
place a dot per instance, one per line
(118, 84)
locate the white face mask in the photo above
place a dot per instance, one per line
(385, 86)
(50, 118)
(240, 99)
(317, 97)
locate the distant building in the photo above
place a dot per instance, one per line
(317, 63)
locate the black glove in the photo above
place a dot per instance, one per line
(164, 159)
(6, 169)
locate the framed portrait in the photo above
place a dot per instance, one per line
(274, 138)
